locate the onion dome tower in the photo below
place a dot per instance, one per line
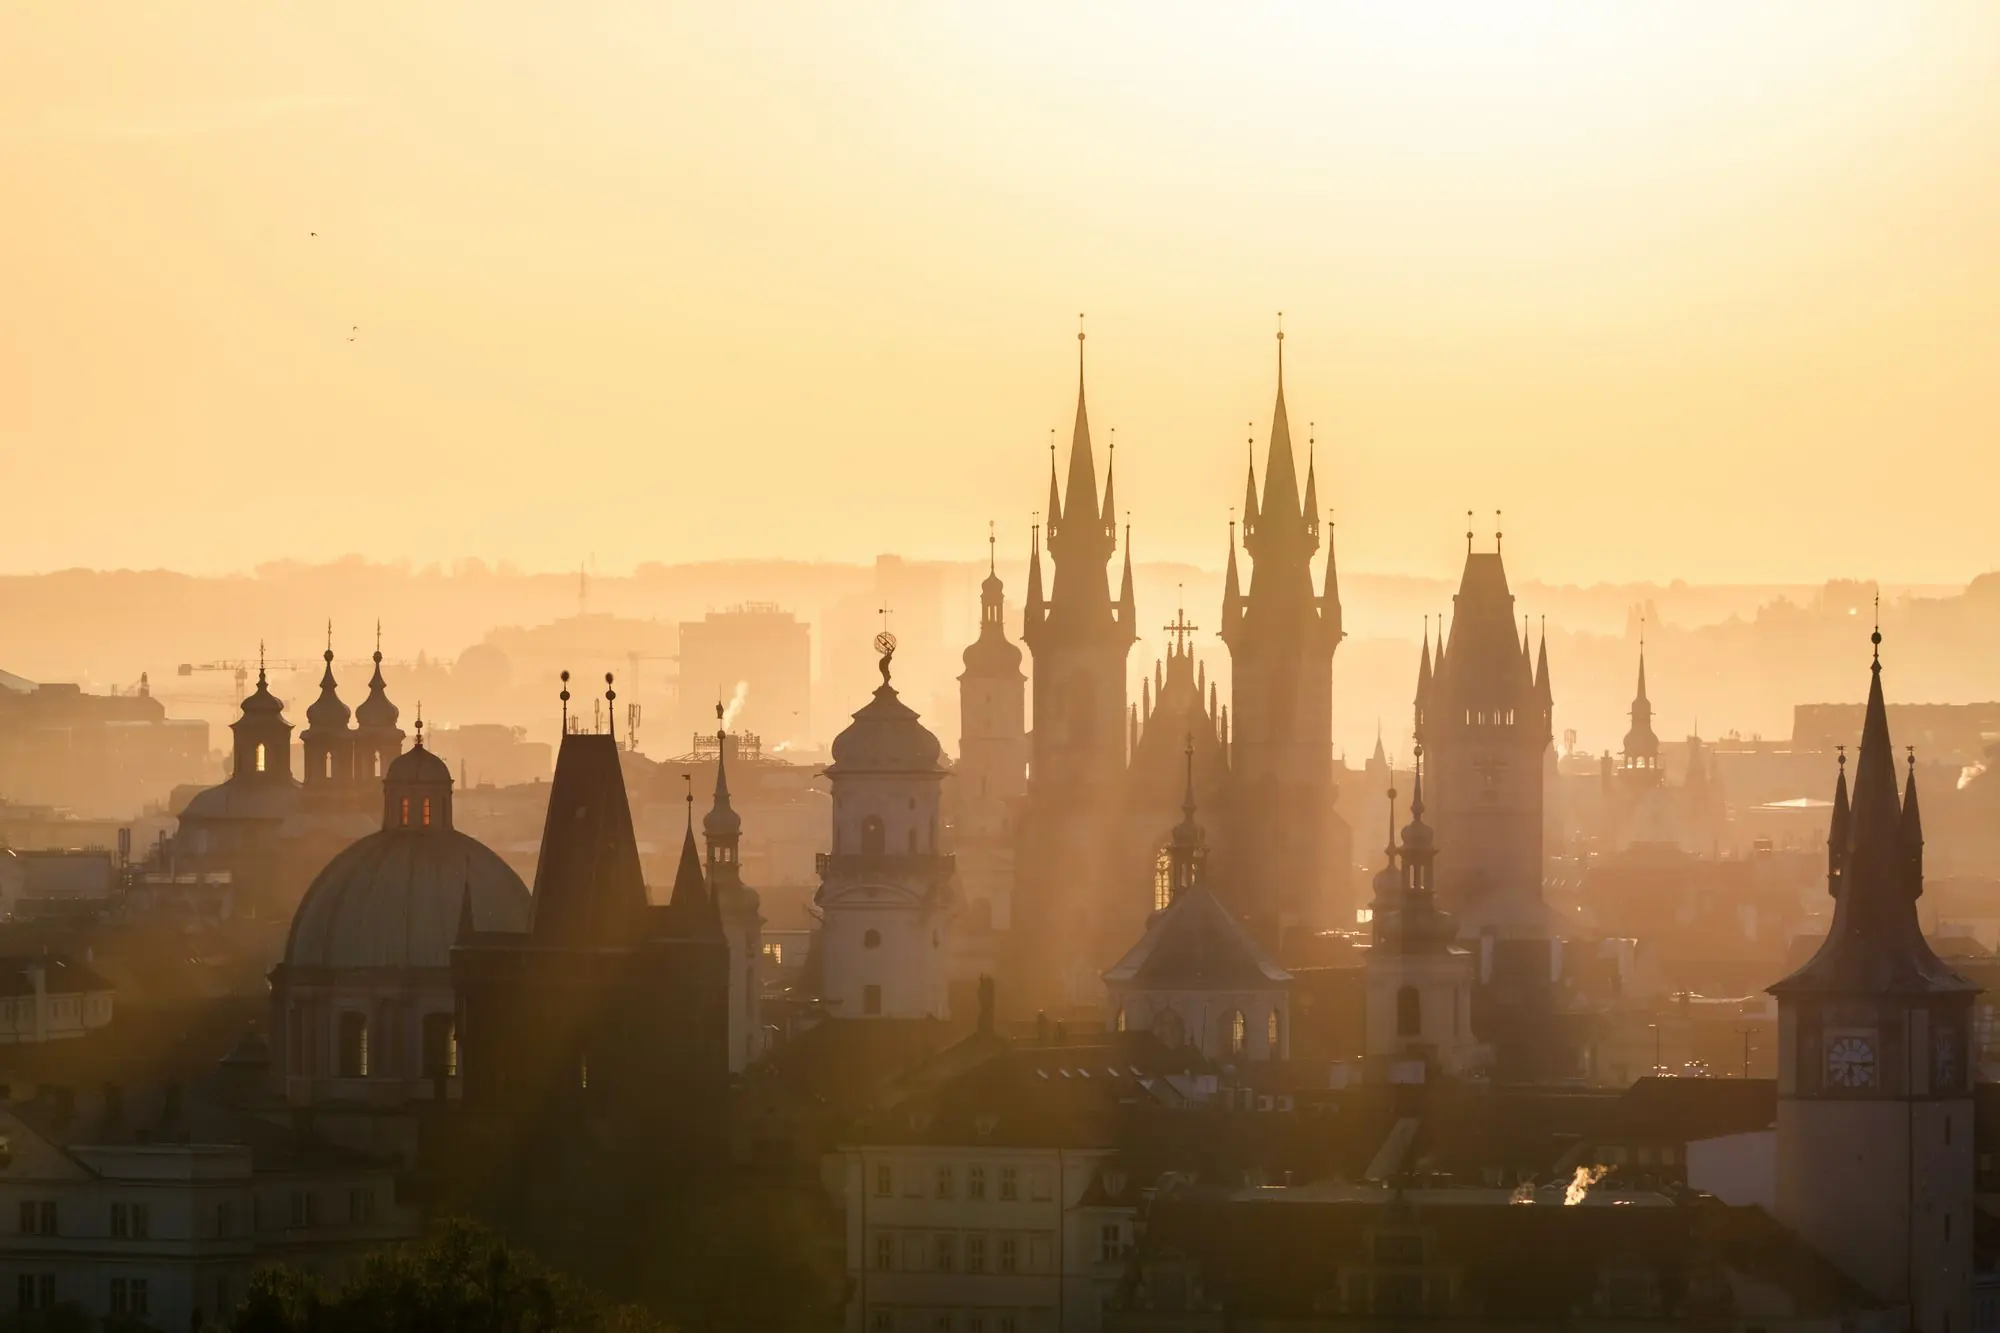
(377, 738)
(329, 740)
(738, 910)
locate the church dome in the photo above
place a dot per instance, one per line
(417, 765)
(886, 737)
(262, 701)
(392, 900)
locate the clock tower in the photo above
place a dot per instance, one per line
(1875, 1158)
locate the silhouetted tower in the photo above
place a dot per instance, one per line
(262, 744)
(377, 738)
(1875, 1112)
(738, 908)
(1080, 637)
(1483, 715)
(991, 775)
(329, 741)
(1286, 873)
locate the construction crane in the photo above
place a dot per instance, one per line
(241, 670)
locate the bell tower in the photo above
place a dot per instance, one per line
(991, 775)
(1065, 870)
(1875, 1151)
(1289, 872)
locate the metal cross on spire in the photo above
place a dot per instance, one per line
(1181, 631)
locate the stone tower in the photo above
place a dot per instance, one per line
(885, 892)
(1281, 637)
(1875, 1151)
(377, 738)
(991, 776)
(1079, 635)
(1483, 716)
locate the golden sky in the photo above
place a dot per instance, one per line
(1707, 291)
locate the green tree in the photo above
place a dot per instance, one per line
(459, 1279)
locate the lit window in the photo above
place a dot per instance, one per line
(329, 764)
(427, 812)
(406, 812)
(1238, 1032)
(1271, 1032)
(353, 1045)
(260, 756)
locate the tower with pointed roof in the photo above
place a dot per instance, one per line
(1639, 812)
(1176, 709)
(594, 1044)
(1281, 630)
(1484, 715)
(1419, 984)
(991, 775)
(1080, 636)
(1875, 1111)
(886, 896)
(738, 909)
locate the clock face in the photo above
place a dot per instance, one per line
(1850, 1062)
(1944, 1060)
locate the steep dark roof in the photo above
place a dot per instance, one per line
(1196, 944)
(1876, 945)
(588, 885)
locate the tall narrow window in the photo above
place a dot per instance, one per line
(353, 1045)
(1238, 1033)
(440, 1046)
(1271, 1033)
(260, 756)
(427, 812)
(329, 764)
(406, 812)
(378, 763)
(1409, 1012)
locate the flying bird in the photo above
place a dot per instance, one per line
(352, 331)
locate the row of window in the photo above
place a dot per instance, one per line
(129, 1295)
(134, 1221)
(969, 1252)
(944, 1182)
(353, 1057)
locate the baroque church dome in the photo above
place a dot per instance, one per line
(886, 737)
(392, 899)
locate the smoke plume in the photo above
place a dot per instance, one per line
(735, 707)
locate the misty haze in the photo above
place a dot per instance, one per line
(616, 716)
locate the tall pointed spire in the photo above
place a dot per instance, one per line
(1281, 479)
(1876, 946)
(1110, 513)
(1838, 830)
(1310, 508)
(1542, 686)
(1250, 485)
(1232, 591)
(1080, 506)
(1126, 609)
(1424, 675)
(1052, 516)
(1034, 604)
(1910, 836)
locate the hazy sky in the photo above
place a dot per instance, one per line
(1702, 291)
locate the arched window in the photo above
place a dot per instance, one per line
(329, 765)
(1238, 1032)
(1163, 879)
(1120, 1024)
(871, 939)
(427, 812)
(583, 1071)
(353, 1045)
(1409, 1012)
(378, 763)
(260, 756)
(1271, 1033)
(874, 837)
(406, 812)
